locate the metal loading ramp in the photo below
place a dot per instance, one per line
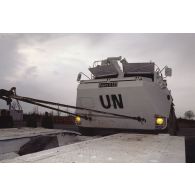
(118, 148)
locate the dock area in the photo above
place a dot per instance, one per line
(117, 148)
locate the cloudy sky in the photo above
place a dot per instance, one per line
(45, 66)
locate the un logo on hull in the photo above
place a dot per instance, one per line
(116, 100)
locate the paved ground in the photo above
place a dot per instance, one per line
(115, 148)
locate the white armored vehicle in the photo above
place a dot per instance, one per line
(129, 96)
(119, 96)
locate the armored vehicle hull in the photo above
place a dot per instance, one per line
(137, 96)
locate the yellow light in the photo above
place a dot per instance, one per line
(77, 119)
(159, 121)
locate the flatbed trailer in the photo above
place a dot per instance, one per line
(21, 141)
(117, 148)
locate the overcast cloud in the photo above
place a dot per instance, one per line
(45, 66)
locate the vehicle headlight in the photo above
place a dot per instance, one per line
(77, 119)
(160, 121)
